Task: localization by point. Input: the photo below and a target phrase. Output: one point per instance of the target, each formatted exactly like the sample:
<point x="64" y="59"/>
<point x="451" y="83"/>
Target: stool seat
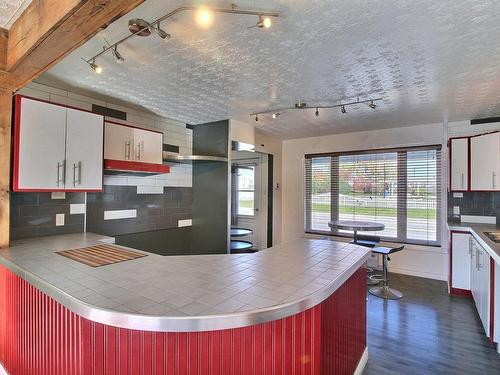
<point x="387" y="250"/>
<point x="366" y="240"/>
<point x="365" y="243"/>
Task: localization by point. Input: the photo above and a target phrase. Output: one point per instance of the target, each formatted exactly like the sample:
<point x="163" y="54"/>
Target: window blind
<point x="399" y="188"/>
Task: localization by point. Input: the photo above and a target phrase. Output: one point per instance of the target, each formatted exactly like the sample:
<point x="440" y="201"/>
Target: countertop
<point x="477" y="230"/>
<point x="186" y="293"/>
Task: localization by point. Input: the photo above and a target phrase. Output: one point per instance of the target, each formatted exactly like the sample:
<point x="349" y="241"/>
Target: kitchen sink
<point x="494" y="236"/>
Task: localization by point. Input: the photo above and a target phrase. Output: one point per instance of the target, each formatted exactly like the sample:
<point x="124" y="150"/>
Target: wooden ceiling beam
<point x="48" y="30"/>
<point x="3" y="49"/>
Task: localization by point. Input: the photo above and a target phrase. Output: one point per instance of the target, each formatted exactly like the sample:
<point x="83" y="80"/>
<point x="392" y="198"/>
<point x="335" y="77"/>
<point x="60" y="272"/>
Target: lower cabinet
<point x="480" y="282"/>
<point x="470" y="273"/>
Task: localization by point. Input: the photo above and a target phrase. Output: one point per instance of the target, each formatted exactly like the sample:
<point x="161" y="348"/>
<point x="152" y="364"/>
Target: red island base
<point x="41" y="337"/>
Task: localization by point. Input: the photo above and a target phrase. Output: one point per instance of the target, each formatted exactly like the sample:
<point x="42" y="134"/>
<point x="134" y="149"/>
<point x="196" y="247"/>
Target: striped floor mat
<point x="100" y="255"/>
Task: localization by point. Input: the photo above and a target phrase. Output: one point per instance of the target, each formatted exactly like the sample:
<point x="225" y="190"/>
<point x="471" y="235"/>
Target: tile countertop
<point x="477" y="230"/>
<point x="186" y="293"/>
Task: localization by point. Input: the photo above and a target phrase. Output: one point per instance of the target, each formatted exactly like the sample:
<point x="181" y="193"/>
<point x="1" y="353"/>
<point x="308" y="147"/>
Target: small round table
<point x="356" y="225"/>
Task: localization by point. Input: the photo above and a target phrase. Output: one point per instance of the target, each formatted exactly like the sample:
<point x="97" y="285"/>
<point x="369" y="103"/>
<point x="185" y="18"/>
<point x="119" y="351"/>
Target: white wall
<point x="423" y="261"/>
<point x="175" y="133"/>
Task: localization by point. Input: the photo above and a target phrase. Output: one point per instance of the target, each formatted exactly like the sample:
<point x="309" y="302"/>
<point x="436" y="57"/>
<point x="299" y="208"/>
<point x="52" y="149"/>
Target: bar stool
<point x="385" y="291"/>
<point x="368" y="241"/>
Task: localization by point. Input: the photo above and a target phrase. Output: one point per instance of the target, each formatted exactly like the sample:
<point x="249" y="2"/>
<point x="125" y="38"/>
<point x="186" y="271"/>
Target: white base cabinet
<point x="480" y="283"/>
<point x="461" y="260"/>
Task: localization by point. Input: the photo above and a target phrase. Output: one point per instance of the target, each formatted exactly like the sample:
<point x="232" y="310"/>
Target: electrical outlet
<point x="456" y="210"/>
<point x="59" y="220"/>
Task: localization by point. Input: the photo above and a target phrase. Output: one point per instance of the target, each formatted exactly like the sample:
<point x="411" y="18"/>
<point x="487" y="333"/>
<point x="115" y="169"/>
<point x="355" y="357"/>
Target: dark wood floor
<point x="426" y="332"/>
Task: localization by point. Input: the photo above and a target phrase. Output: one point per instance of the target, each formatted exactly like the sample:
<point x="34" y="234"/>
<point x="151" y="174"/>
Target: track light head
<point x="96" y="68"/>
<point x="264" y="22"/>
<point x="256" y="117"/>
<point x="119" y="58"/>
<point x="276" y="115"/>
<point x="317" y="112"/>
<point x="204" y="17"/>
<point x="343" y="110"/>
<point x="162" y="33"/>
<point x="372" y="105"/>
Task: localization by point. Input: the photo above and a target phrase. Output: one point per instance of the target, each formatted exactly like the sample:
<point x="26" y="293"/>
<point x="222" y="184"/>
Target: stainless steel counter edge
<point x="478" y="237"/>
<point x="184" y="323"/>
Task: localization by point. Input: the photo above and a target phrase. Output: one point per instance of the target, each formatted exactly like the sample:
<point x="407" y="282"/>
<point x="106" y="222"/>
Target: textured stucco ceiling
<point x="429" y="60"/>
<point x="10" y="10"/>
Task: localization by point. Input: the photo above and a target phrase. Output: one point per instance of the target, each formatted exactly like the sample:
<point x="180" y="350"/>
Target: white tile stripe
<point x="119" y="214"/>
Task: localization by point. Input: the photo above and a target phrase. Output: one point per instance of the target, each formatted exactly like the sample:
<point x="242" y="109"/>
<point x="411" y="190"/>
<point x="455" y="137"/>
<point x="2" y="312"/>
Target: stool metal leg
<point x="385" y="291"/>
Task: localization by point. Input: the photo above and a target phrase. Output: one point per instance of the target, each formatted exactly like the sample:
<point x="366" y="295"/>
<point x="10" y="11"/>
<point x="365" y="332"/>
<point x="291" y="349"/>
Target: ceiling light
<point x="276" y="114"/>
<point x="117" y="55"/>
<point x="138" y="26"/>
<point x="342" y="109"/>
<point x="256" y="117"/>
<point x="317" y="112"/>
<point x="372" y="105"/>
<point x="204" y="17"/>
<point x="162" y="33"/>
<point x="95" y="67"/>
<point x="264" y="22"/>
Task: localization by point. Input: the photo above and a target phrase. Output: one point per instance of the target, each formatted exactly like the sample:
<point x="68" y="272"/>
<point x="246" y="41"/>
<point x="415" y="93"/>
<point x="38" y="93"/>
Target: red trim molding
<point x="40" y="336"/>
<point x="134" y="166"/>
<point x="492" y="298"/>
<point x="460" y="292"/>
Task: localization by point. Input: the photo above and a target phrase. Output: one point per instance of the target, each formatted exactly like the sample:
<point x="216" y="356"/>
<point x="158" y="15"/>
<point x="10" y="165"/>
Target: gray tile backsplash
<point x="34" y="214"/>
<point x="154" y="211"/>
<point x="475" y="203"/>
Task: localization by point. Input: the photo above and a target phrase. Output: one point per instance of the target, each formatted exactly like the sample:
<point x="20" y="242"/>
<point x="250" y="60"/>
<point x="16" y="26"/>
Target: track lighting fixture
<point x="119" y="58"/>
<point x="162" y="33"/>
<point x="256" y="117"/>
<point x="302" y="105"/>
<point x="264" y="22"/>
<point x="96" y="68"/>
<point x="204" y="17"/>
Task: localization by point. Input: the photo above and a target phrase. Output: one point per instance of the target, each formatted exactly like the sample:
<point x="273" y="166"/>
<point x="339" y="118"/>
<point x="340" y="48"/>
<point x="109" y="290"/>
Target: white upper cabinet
<point x="126" y="143"/>
<point x="118" y="142"/>
<point x="485" y="162"/>
<point x="148" y="146"/>
<point x="49" y="140"/>
<point x="40" y="141"/>
<point x="459" y="174"/>
<point x="84" y="149"/>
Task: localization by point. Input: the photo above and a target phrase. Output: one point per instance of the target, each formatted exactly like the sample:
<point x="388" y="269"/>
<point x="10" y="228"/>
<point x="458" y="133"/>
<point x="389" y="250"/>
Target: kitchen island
<point x="296" y="307"/>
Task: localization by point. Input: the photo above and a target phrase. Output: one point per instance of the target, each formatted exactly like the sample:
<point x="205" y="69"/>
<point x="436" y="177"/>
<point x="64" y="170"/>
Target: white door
<point x="148" y="146"/>
<point x="118" y="142"/>
<point x="84" y="150"/>
<point x="460" y="261"/>
<point x="459" y="164"/>
<point x="41" y="146"/>
<point x="485" y="162"/>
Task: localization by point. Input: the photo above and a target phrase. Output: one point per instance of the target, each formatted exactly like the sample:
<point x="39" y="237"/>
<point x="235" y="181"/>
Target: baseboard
<point x="426" y="275"/>
<point x="362" y="363"/>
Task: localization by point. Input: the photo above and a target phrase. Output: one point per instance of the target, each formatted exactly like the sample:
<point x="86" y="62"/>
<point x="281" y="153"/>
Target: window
<point x="399" y="188"/>
<point x="245" y="192"/>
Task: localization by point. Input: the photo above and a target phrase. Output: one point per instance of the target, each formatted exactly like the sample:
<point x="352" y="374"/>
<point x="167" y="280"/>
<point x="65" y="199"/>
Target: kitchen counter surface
<point x="186" y="293"/>
<point x="477" y="230"/>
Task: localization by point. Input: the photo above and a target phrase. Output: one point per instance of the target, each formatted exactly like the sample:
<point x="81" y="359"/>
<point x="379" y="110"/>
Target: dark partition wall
<point x="209" y="233"/>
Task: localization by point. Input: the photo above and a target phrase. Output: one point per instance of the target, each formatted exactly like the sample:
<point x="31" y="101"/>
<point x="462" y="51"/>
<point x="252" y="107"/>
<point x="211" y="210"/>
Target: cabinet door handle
<point x="138" y="150"/>
<point x="479" y="265"/>
<point x="77" y="178"/>
<point x="58" y="179"/>
<point x="127" y="150"/>
<point x="462" y="180"/>
<point x="493" y="176"/>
